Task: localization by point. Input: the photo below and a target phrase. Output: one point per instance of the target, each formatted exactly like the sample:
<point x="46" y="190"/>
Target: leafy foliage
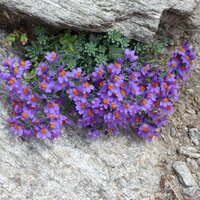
<point x="16" y="36"/>
<point x="85" y="50"/>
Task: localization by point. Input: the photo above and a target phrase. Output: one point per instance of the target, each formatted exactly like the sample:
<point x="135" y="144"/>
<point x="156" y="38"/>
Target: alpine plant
<point x="113" y="96"/>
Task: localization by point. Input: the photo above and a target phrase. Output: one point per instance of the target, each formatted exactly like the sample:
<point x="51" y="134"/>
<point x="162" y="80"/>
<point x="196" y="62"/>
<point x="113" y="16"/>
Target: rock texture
<point x="195" y="136"/>
<point x="185" y="177"/>
<point x="139" y="18"/>
<point x="75" y="168"/>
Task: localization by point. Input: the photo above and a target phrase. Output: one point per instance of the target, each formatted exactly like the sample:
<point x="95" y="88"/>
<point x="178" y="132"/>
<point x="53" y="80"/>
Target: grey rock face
<point x="191" y="152"/>
<point x="185" y="177"/>
<point x="139" y="18"/>
<point x="75" y="168"/>
<point x="195" y="136"/>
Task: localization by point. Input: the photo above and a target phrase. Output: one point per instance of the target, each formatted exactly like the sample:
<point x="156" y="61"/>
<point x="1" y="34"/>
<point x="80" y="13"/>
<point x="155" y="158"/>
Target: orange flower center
<point x="117" y="65"/>
<point x="192" y="62"/>
<point x="105" y="101"/>
<point x="22" y="63"/>
<point x="156" y="103"/>
<point x="83" y="105"/>
<point x="145" y="68"/>
<point x="142" y="88"/>
<point x="51" y="104"/>
<point x="44" y="77"/>
<point x="90" y="112"/>
<point x="183" y="50"/>
<point x="166" y="86"/>
<point x="116" y="78"/>
<point x="100" y="72"/>
<point x="86" y="84"/>
<point x="151" y="136"/>
<point x="62" y="73"/>
<point x="114" y="105"/>
<point x="21" y="104"/>
<point x="183" y="68"/>
<point x="43" y="85"/>
<point x="75" y="91"/>
<point x="170" y="75"/>
<point x="52" y="125"/>
<point x="137" y="119"/>
<point x="43" y="68"/>
<point x="101" y="83"/>
<point x="16" y="69"/>
<point x="165" y="100"/>
<point x="133" y="77"/>
<point x="154" y="84"/>
<point x="173" y="64"/>
<point x="43" y="130"/>
<point x="169" y="107"/>
<point x="110" y="86"/>
<point x="78" y="74"/>
<point x="11" y="80"/>
<point x="25" y="90"/>
<point x="34" y="98"/>
<point x="24" y="115"/>
<point x="116" y="114"/>
<point x="126" y="105"/>
<point x="144" y="101"/>
<point x="145" y="129"/>
<point x="17" y="126"/>
<point x="53" y="57"/>
<point x="122" y="92"/>
<point x="51" y="116"/>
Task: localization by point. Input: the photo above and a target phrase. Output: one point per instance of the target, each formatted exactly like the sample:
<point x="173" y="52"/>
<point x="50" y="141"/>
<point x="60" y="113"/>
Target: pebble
<point x="185" y="177"/>
<point x="195" y="136"/>
<point x="190" y="152"/>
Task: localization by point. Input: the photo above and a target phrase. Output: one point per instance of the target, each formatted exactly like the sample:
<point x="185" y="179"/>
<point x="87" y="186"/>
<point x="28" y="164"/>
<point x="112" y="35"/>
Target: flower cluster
<point x="119" y="94"/>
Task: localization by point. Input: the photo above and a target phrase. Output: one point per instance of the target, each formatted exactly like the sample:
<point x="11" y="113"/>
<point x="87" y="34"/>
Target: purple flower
<point x="134" y="77"/>
<point x="62" y="75"/>
<point x="51" y="57"/>
<point x="146" y="104"/>
<point x="114" y="68"/>
<point x="33" y="100"/>
<point x="27" y="114"/>
<point x="43" y="132"/>
<point x="93" y="134"/>
<point x="98" y="73"/>
<point x="130" y="55"/>
<point x="25" y="64"/>
<point x="76" y="73"/>
<point x="153" y="87"/>
<point x="169" y="109"/>
<point x="46" y="86"/>
<point x="51" y="107"/>
<point x="147" y="132"/>
<point x="165" y="102"/>
<point x="24" y="91"/>
<point x="81" y="107"/>
<point x="145" y="68"/>
<point x="15" y="126"/>
<point x="42" y="68"/>
<point x="86" y="87"/>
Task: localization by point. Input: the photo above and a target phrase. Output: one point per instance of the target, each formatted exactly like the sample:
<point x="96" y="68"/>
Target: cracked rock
<point x="139" y="18"/>
<point x="190" y="152"/>
<point x="185" y="178"/>
<point x="194" y="136"/>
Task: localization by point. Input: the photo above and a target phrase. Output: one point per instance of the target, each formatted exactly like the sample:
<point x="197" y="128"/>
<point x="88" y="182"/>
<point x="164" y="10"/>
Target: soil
<point x="175" y="135"/>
